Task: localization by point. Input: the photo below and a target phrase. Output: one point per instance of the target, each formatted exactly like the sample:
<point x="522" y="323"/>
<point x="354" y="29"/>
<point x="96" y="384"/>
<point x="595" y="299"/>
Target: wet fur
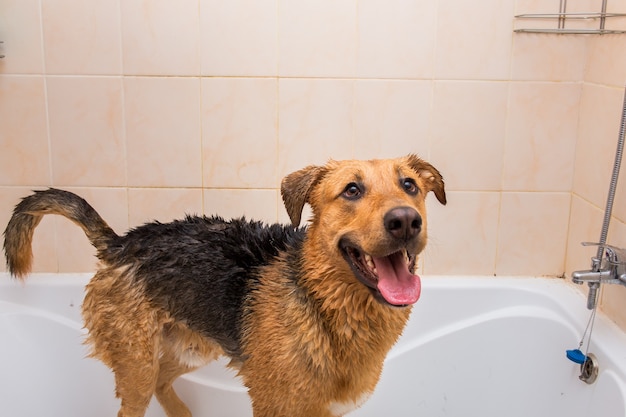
<point x="307" y="338"/>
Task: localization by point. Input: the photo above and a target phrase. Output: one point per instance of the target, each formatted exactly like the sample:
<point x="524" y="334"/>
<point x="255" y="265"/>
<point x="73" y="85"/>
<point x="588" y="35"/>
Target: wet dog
<point x="305" y="314"/>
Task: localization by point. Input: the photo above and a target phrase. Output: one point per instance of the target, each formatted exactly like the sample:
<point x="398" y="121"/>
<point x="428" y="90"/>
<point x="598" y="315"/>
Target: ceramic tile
<point x="20" y="21"/>
<point x="617" y="233"/>
<point x="532" y="234"/>
<point x="462" y="235"/>
<point x="534" y="7"/>
<point x="162" y="204"/>
<point x="396" y="38"/>
<point x="315" y="123"/>
<point x="585" y="223"/>
<point x="82" y="36"/>
<point x="75" y="253"/>
<point x="253" y="204"/>
<point x="604" y="66"/>
<point x="239" y="37"/>
<point x="317" y="38"/>
<point x="239" y="132"/>
<point x="163" y="132"/>
<point x="474" y="41"/>
<point x="86" y="131"/>
<point x="617" y="23"/>
<point x="541" y="136"/>
<point x="160" y="37"/>
<point x="44" y="243"/>
<point x="468" y="130"/>
<point x="25" y="158"/>
<point x="600" y="112"/>
<point x="548" y="57"/>
<point x="619" y="203"/>
<point x="392" y="118"/>
<point x="613" y="297"/>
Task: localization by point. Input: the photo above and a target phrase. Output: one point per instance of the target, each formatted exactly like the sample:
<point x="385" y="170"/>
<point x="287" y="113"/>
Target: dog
<point x="305" y="314"/>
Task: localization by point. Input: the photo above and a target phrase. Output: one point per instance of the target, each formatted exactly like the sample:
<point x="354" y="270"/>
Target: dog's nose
<point x="403" y="222"/>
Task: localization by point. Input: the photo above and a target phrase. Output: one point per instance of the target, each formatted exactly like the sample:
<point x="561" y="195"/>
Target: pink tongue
<point x="396" y="284"/>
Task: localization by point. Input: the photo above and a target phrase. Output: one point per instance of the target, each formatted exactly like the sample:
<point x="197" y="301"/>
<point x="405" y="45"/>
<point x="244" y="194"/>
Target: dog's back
<point x="198" y="269"/>
<point x="201" y="270"/>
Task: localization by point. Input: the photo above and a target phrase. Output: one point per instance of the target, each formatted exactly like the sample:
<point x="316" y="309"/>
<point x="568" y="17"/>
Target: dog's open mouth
<point x="388" y="277"/>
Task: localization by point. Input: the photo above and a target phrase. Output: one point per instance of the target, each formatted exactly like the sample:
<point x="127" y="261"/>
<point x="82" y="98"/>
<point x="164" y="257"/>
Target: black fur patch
<point x="201" y="269"/>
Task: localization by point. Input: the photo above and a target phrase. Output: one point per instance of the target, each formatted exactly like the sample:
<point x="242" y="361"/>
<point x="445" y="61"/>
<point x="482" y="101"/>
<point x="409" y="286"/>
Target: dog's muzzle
<point x="389" y="278"/>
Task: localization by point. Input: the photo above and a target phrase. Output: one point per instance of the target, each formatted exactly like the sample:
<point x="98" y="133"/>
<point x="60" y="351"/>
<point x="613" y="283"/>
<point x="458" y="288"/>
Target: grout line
<point x="55" y="234"/>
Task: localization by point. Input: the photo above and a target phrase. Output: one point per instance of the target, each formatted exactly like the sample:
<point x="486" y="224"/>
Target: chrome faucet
<point x="610" y="269"/>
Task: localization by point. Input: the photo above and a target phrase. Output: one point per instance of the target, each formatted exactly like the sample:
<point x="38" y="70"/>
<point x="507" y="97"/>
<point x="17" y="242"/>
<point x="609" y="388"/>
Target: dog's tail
<point x="18" y="235"/>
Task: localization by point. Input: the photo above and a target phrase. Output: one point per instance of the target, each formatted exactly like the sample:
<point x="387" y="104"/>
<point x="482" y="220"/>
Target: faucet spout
<point x="590" y="276"/>
<point x="593" y="280"/>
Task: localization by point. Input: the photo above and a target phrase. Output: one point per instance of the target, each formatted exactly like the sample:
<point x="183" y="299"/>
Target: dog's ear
<point x="430" y="174"/>
<point x="296" y="189"/>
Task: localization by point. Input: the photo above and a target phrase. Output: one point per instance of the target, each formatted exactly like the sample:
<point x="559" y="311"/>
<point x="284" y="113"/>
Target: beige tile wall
<point x="153" y="109"/>
<point x="601" y="104"/>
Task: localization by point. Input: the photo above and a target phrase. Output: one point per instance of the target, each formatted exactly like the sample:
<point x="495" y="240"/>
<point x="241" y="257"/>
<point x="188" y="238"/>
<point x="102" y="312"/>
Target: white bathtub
<point x="488" y="347"/>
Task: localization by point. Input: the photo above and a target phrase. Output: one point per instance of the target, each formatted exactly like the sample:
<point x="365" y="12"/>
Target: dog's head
<point x="372" y="214"/>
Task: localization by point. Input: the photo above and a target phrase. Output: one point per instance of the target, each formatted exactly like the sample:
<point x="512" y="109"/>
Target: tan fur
<point x="365" y="329"/>
<point x="319" y="358"/>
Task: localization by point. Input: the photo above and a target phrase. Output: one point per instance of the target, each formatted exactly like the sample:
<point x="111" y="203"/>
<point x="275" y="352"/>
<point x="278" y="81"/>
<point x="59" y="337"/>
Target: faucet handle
<point x="614" y="255"/>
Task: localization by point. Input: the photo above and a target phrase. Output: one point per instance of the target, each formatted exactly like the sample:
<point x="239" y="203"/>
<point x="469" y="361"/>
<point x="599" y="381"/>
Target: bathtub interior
<point x="473" y="346"/>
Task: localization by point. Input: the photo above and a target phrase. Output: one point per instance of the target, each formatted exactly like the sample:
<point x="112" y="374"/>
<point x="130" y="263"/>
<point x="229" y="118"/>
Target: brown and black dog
<point x="306" y="315"/>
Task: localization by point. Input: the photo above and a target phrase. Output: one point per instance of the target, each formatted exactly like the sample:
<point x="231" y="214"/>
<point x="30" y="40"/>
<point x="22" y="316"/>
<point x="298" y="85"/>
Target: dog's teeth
<point x="369" y="262"/>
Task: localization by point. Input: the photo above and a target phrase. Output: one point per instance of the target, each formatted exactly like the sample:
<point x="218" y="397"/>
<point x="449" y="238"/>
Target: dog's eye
<point x="409" y="186"/>
<point x="352" y="191"/>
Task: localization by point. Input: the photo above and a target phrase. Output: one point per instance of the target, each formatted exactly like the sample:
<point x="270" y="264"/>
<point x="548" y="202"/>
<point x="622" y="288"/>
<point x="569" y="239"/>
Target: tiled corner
<point x="613" y="297"/>
<point x="162" y="118"/>
<point x="604" y="66"/>
<point x="619" y="204"/>
<point x="25" y="154"/>
<point x="82" y="37"/>
<point x="548" y="57"/>
<point x="584" y="226"/>
<point x="86" y="131"/>
<point x="392" y="118"/>
<point x="239" y="132"/>
<point x="600" y="111"/>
